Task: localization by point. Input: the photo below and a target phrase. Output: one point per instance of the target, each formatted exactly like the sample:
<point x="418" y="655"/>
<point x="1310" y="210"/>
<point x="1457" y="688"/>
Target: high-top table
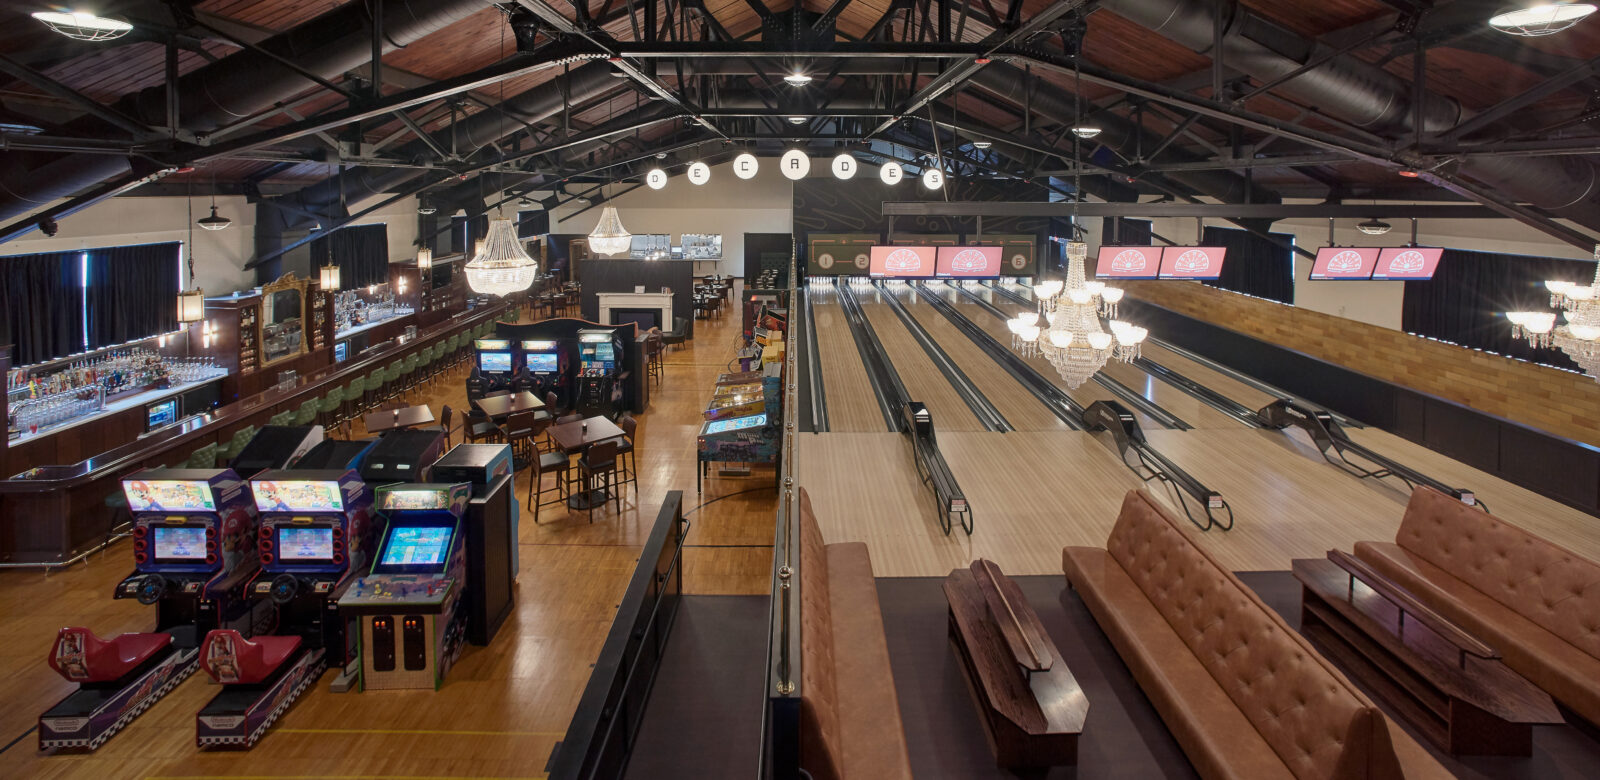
<point x="501" y="406"/>
<point x="575" y="438"/>
<point x="395" y="419"/>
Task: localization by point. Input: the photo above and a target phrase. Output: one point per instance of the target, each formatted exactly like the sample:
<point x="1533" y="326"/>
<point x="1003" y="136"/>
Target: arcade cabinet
<point x="546" y="367"/>
<point x="408" y="607"/>
<point x="402" y="456"/>
<point x="598" y="391"/>
<point x="193" y="550"/>
<point x="494" y="368"/>
<point x="317" y="532"/>
<point x="275" y="447"/>
<point x="491" y="532"/>
<point x="338" y="454"/>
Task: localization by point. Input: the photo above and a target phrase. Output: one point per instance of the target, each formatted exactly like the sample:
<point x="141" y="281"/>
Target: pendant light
<point x="500" y="266"/>
<point x="424" y="259"/>
<point x="609" y="237"/>
<point x="191" y="303"/>
<point x="214" y="222"/>
<point x="328" y="277"/>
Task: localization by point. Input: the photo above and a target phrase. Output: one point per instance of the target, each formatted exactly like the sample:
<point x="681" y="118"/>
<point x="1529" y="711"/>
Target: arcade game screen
<point x="297" y="496"/>
<point x="180" y="543"/>
<point x="416" y="499"/>
<point x="544" y="362"/>
<point x="168" y="495"/>
<point x="417" y="546"/>
<point x="736" y="424"/>
<point x="305" y="544"/>
<point x="494" y="362"/>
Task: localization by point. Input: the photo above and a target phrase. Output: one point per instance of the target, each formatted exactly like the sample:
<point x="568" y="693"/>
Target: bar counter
<point x="49" y="513"/>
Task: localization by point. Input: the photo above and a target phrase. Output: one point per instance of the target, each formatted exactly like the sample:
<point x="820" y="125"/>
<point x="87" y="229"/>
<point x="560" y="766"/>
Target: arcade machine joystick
<point x="193" y="532"/>
<point x="408" y="608"/>
<point x="317" y="533"/>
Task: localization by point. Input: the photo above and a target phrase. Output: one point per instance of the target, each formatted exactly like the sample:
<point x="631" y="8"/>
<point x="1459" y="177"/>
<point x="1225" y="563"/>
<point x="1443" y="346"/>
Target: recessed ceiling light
<point x="982" y="144"/>
<point x="425" y="209"/>
<point x="83" y="26"/>
<point x="797" y="120"/>
<point x="797" y="79"/>
<point x="1085" y="131"/>
<point x="1542" y="19"/>
<point x="1409" y="173"/>
<point x="661" y="155"/>
<point x="1373" y="227"/>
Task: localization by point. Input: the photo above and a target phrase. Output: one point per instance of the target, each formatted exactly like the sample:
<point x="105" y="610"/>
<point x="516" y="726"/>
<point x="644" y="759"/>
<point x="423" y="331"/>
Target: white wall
<point x="727" y="205"/>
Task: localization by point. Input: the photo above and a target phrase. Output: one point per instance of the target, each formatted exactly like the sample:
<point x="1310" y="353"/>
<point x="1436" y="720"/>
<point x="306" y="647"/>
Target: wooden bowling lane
<point x="917" y="371"/>
<point x="851" y="405"/>
<point x="1211" y="378"/>
<point x="1020" y="407"/>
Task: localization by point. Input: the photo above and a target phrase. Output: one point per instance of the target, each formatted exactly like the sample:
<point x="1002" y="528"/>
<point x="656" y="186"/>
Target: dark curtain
<point x="1254" y="265"/>
<point x="479" y="229"/>
<point x="362" y="252"/>
<point x="1121" y="231"/>
<point x="132" y="292"/>
<point x="1466" y="301"/>
<point x="458" y="235"/>
<point x="533" y="223"/>
<point x="43" y="299"/>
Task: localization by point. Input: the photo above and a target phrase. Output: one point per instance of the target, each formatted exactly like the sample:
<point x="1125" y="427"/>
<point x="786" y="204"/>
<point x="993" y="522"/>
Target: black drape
<point x="43" y="297"/>
<point x="1130" y="232"/>
<point x="1466" y="301"/>
<point x="362" y="252"/>
<point x="458" y="235"/>
<point x="132" y="292"/>
<point x="1254" y="265"/>
<point x="532" y="223"/>
<point x="479" y="230"/>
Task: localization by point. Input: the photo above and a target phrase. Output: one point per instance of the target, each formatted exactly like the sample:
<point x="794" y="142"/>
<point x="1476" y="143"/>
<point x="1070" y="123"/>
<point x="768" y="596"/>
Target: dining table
<point x="574" y="438"/>
<point x="394" y="419"/>
<point x="499" y="407"/>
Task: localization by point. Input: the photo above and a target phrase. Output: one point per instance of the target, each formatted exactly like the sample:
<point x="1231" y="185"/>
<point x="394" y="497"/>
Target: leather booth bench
<point x="1244" y="695"/>
<point x="849" y="713"/>
<point x="1536" y="603"/>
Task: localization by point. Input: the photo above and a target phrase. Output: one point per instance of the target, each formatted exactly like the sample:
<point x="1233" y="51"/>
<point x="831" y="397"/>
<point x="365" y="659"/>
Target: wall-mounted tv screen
<point x="1128" y="262"/>
<point x="701" y="246"/>
<point x="179" y="543"/>
<point x="902" y="262"/>
<point x="1192" y="262"/>
<point x="494" y="362"/>
<point x="305" y="544"/>
<point x="544" y="362"/>
<point x="1407" y="262"/>
<point x="969" y="261"/>
<point x="650" y="246"/>
<point x="1344" y="263"/>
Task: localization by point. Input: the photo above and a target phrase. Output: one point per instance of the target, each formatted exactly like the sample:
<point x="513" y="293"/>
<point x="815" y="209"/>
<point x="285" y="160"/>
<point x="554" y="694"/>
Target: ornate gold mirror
<point x="283" y="306"/>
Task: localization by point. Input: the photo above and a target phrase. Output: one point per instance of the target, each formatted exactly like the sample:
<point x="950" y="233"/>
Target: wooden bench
<point x="1033" y="709"/>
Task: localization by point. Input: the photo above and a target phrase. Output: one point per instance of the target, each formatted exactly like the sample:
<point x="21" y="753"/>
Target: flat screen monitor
<point x="1407" y="262"/>
<point x="544" y="362"/>
<point x="341" y="350"/>
<point x="297" y="496"/>
<point x="649" y="246"/>
<point x="494" y="362"/>
<point x="700" y="246"/>
<point x="160" y="413"/>
<point x="1128" y="262"/>
<point x="736" y="424"/>
<point x="1192" y="262"/>
<point x="305" y="545"/>
<point x="1344" y="263"/>
<point x="179" y="543"/>
<point x="962" y="262"/>
<point x="416" y="547"/>
<point x="604" y="353"/>
<point x="902" y="262"/>
<point x="168" y="495"/>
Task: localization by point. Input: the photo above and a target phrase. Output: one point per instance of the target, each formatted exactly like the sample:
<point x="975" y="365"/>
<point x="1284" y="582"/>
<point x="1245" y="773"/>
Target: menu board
<point x="297" y="496"/>
<point x="1344" y="263"/>
<point x="902" y="262"/>
<point x="969" y="261"/>
<point x="736" y="424"/>
<point x="416" y="499"/>
<point x="1128" y="262"/>
<point x="1192" y="262"/>
<point x="305" y="544"/>
<point x="1407" y="262"/>
<point x="168" y="495"/>
<point x="179" y="543"/>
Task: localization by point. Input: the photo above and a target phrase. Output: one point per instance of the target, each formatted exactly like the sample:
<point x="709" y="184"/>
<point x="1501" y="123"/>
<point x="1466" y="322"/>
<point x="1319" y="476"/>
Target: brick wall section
<point x="1561" y="402"/>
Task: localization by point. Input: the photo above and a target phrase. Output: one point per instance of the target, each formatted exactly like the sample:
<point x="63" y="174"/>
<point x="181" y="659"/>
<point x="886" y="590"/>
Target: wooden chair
<point x="625" y="452"/>
<point x="520" y="431"/>
<point x="556" y="463"/>
<point x="478" y="428"/>
<point x="655" y="367"/>
<point x="552" y="404"/>
<point x="445" y="415"/>
<point x="600" y="461"/>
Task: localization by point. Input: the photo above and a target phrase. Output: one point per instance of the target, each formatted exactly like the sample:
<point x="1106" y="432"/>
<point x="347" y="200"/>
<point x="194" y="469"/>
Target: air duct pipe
<point x="236" y="86"/>
<point x="1362" y="94"/>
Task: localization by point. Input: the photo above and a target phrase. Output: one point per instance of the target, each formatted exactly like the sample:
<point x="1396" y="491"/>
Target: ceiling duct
<point x="1362" y="94"/>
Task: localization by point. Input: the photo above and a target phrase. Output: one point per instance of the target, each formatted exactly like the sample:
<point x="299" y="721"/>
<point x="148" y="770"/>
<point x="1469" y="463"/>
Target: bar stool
<point x="284" y="418"/>
<point x="328" y="408"/>
<point x="203" y="457"/>
<point x="479" y="428"/>
<point x="445" y="415"/>
<point x="655" y="367"/>
<point x="556" y="463"/>
<point x="240" y="438"/>
<point x="600" y="460"/>
<point x="520" y="430"/>
<point x="625" y="451"/>
<point x="353" y="396"/>
<point x="306" y="414"/>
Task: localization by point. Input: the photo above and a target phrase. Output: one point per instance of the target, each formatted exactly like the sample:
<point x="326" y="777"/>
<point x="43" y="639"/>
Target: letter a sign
<point x="796" y="165"/>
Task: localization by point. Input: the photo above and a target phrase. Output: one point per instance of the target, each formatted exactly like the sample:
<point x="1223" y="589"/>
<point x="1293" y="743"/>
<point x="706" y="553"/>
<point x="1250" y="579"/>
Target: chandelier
<point x="500" y="266"/>
<point x="610" y="237"/>
<point x="1071" y="338"/>
<point x="1580" y="337"/>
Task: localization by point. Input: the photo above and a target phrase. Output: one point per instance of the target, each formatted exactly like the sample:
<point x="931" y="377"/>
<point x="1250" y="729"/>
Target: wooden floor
<point x="851" y="407"/>
<point x="503" y="707"/>
<point x="917" y="371"/>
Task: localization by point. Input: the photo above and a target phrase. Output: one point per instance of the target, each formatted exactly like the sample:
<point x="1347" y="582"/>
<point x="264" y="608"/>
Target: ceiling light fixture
<point x="1580" y="337"/>
<point x="83" y="26"/>
<point x="699" y="173"/>
<point x="1374" y="227"/>
<point x="1539" y="20"/>
<point x="797" y="120"/>
<point x="500" y="266"/>
<point x="424" y="208"/>
<point x="891" y="173"/>
<point x="656" y="178"/>
<point x="797" y="79"/>
<point x="982" y="144"/>
<point x="932" y="178"/>
<point x="1085" y="131"/>
<point x="214" y="222"/>
<point x="1409" y="173"/>
<point x="844" y="166"/>
<point x="746" y="165"/>
<point x="609" y="237"/>
<point x="795" y="165"/>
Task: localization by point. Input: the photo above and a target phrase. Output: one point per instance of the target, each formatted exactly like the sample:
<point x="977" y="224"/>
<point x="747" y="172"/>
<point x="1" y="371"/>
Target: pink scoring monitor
<point x="1407" y="262"/>
<point x="1128" y="262"/>
<point x="1344" y="263"/>
<point x="902" y="262"/>
<point x="1192" y="262"/>
<point x="969" y="261"/>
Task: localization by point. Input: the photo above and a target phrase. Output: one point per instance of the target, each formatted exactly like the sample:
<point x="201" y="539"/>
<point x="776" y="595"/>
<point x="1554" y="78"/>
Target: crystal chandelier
<point x="1580" y="337"/>
<point x="1071" y="338"/>
<point x="610" y="237"/>
<point x="501" y="267"/>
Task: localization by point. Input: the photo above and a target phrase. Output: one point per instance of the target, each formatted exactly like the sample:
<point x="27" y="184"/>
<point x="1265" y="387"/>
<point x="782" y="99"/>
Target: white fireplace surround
<point x="661" y="302"/>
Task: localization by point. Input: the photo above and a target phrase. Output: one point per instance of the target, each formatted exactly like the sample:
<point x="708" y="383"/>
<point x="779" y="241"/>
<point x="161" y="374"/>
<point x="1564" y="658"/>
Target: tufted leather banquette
<point x="849" y="713"/>
<point x="1243" y="694"/>
<point x="1535" y="602"/>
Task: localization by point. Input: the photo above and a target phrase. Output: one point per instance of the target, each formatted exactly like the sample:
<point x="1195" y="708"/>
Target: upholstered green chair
<point x="203" y="457"/>
<point x="306" y="414"/>
<point x="354" y="395"/>
<point x="328" y="408"/>
<point x="236" y="444"/>
<point x="285" y="417"/>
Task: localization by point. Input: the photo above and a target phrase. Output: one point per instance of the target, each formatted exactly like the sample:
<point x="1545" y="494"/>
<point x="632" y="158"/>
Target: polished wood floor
<point x="503" y="707"/>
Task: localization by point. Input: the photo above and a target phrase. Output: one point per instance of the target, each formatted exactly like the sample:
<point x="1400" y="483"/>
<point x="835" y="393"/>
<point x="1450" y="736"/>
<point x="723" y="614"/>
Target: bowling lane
<point x="917" y="371"/>
<point x="851" y="405"/>
<point x="1211" y="378"/>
